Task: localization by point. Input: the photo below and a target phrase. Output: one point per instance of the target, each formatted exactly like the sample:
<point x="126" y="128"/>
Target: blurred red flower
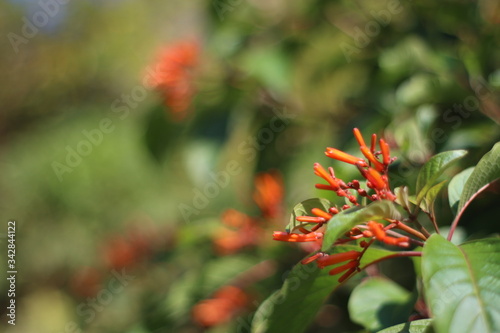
<point x="172" y="76"/>
<point x="241" y="231"/>
<point x="269" y="194"/>
<point x="219" y="309"/>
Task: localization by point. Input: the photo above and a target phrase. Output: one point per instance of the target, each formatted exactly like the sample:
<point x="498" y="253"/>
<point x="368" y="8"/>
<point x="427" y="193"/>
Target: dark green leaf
<point x="344" y="221"/>
<point x="378" y="303"/>
<point x="292" y="308"/>
<point x="456" y="188"/>
<point x="431" y="170"/>
<point x="485" y="172"/>
<point x="462" y="284"/>
<point x="417" y="326"/>
<point x="304" y="209"/>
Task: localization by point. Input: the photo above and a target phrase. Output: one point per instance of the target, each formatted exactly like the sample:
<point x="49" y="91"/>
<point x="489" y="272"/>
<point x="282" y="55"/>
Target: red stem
<point x="459" y="215"/>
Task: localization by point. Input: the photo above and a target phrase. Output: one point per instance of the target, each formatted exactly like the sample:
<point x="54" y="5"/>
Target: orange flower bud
<point x="385" y="152"/>
<point x="359" y="137"/>
<point x="347" y="274"/>
<point x="343" y="157"/>
<point x="333" y="259"/>
<point x="320" y="171"/>
<point x="311" y="219"/>
<point x="312" y="258"/>
<point x="324" y="187"/>
<point x="374" y="178"/>
<point x="320" y="213"/>
<point x="373" y="143"/>
<point x="368" y="154"/>
<point x="377" y="229"/>
<point x="350" y="265"/>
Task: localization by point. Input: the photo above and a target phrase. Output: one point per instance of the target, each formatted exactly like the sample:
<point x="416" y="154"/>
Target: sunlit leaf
<point x="462" y="284"/>
<point x="431" y="170"/>
<point x="427" y="204"/>
<point x="378" y="303"/>
<point x="485" y="172"/>
<point x="456" y="188"/>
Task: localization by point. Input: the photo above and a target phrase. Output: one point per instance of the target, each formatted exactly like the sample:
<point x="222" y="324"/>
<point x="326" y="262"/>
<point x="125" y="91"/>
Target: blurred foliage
<point x="276" y="82"/>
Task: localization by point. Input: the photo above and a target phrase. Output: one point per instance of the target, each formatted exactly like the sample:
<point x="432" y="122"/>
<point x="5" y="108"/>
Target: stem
<point x="413" y="219"/>
<point x="396" y="255"/>
<point x="459" y="215"/>
<point x="433" y="220"/>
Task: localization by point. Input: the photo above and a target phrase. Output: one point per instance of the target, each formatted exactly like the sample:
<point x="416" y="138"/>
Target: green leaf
<point x="402" y="197"/>
<point x="462" y="284"/>
<point x="304" y="209"/>
<point x="344" y="221"/>
<point x="427" y="204"/>
<point x="292" y="308"/>
<point x="456" y="188"/>
<point x="378" y="303"/>
<point x="417" y="326"/>
<point x="485" y="172"/>
<point x="431" y="170"/>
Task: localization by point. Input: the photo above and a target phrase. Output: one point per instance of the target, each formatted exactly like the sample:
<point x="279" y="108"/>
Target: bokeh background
<point x="148" y="149"/>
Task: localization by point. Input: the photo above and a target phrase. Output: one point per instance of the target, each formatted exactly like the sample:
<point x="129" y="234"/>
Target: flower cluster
<point x="172" y="76"/>
<point x="374" y="169"/>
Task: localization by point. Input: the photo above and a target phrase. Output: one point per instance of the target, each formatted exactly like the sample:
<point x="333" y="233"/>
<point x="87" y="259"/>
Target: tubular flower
<point x="333" y="259"/>
<point x="379" y="233"/>
<point x="322" y="260"/>
<point x="343" y="157"/>
<point x="374" y="169"/>
<point x="286" y="237"/>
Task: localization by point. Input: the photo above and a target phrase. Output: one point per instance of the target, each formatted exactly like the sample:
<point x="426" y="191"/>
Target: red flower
<point x="243" y="232"/>
<point x="172" y="77"/>
<point x="380" y="234"/>
<point x="221" y="307"/>
<point x="269" y="194"/>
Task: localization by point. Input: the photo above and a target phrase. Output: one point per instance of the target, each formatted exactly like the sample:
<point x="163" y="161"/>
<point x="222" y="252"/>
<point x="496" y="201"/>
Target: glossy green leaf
<point x="292" y="308"/>
<point x="427" y="204"/>
<point x="431" y="170"/>
<point x="462" y="284"/>
<point x="417" y="326"/>
<point x="344" y="221"/>
<point x="377" y="303"/>
<point x="485" y="172"/>
<point x="304" y="209"/>
<point x="456" y="188"/>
